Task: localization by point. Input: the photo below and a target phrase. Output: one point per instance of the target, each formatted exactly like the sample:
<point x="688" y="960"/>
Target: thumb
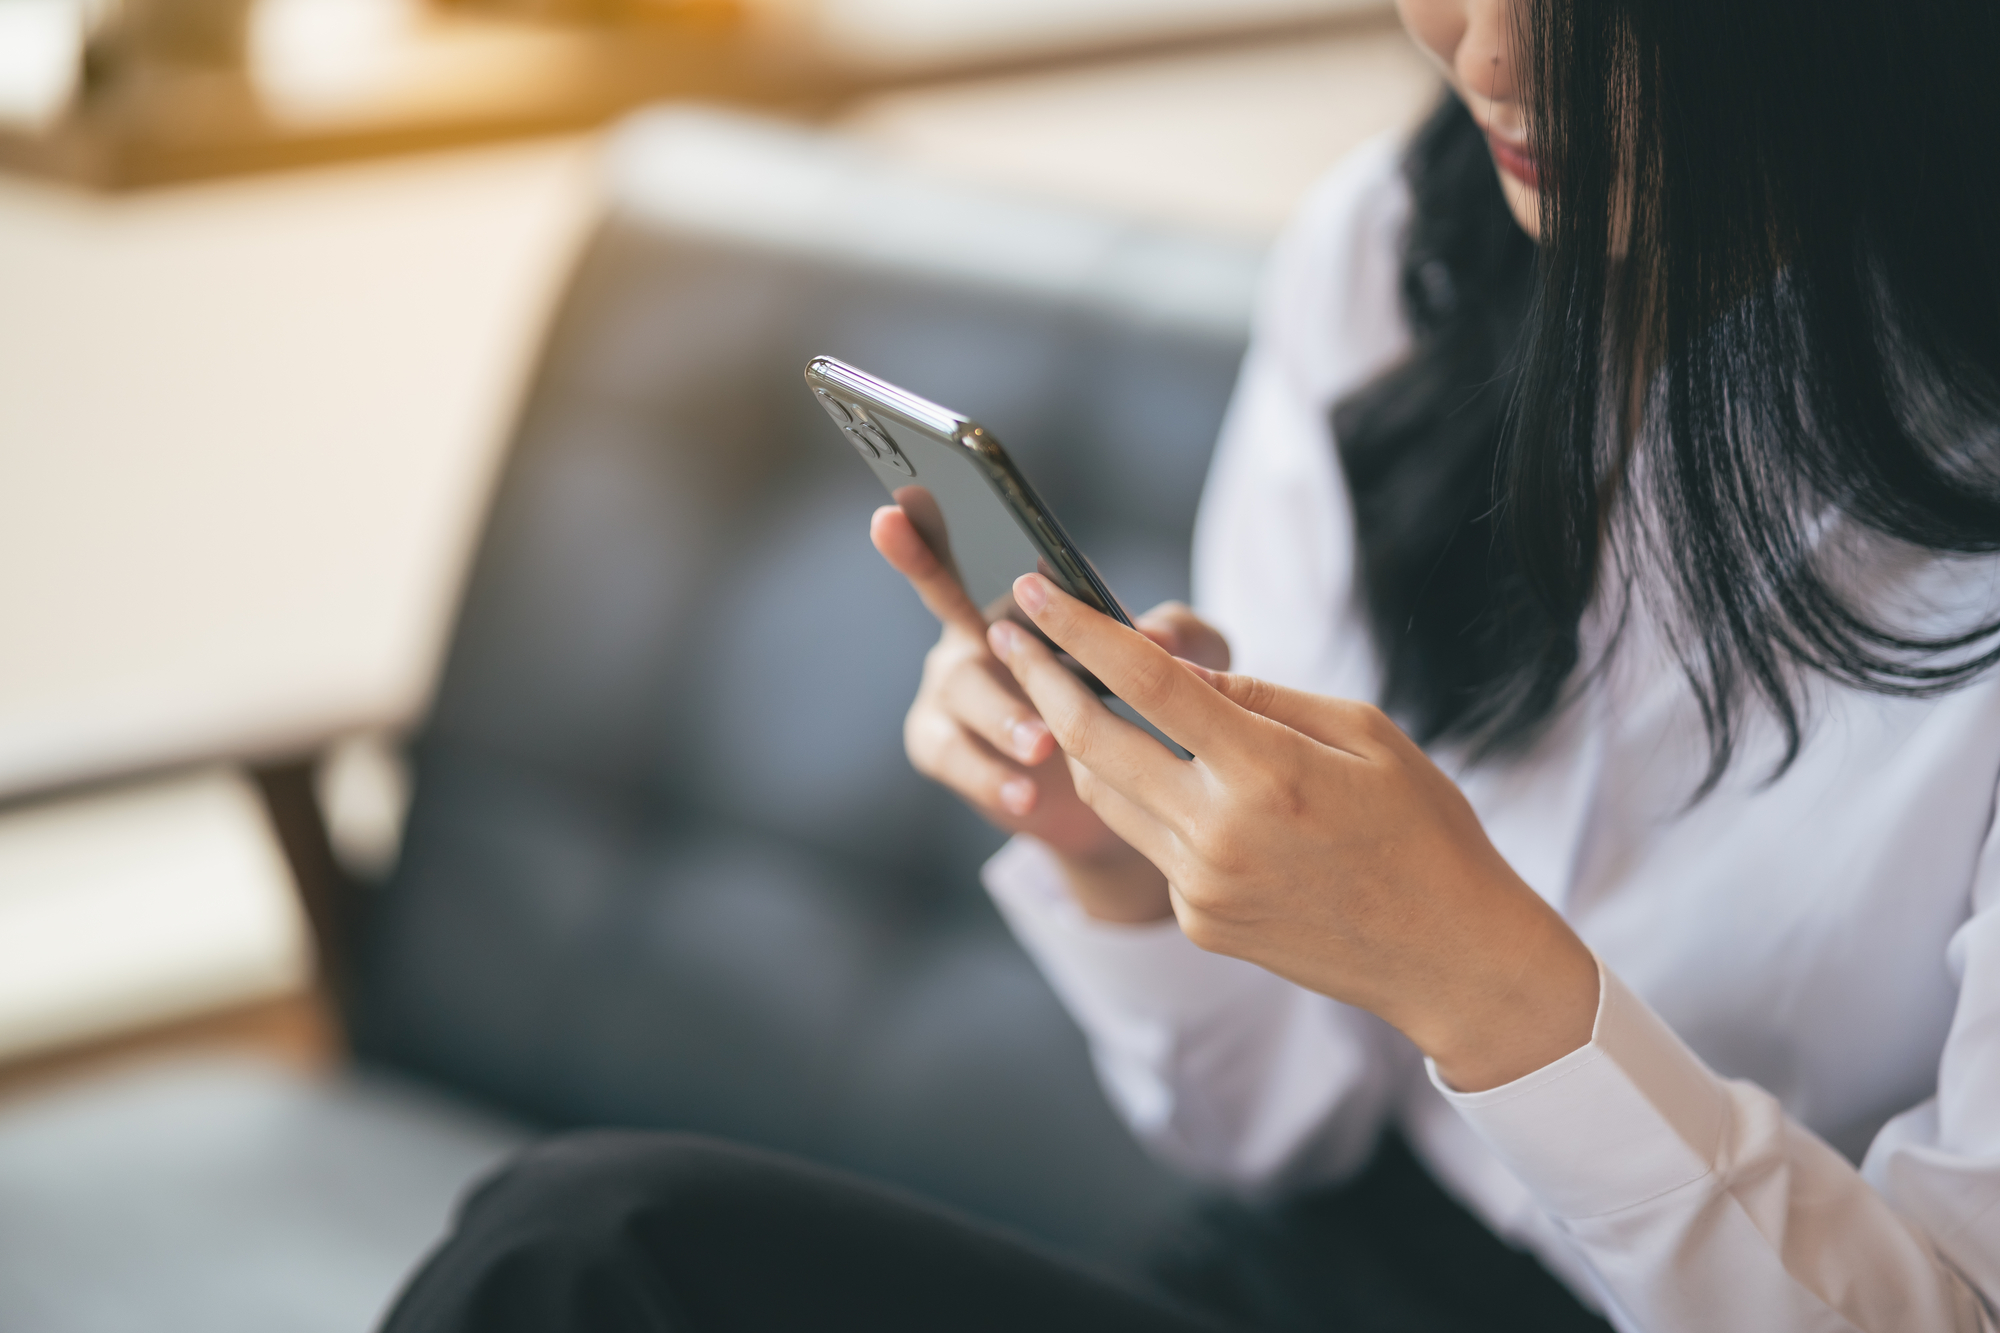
<point x="1181" y="632"/>
<point x="1357" y="728"/>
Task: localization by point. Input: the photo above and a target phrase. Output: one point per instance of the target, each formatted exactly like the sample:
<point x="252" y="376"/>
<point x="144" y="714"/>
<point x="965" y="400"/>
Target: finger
<point x="1138" y="766"/>
<point x="1145" y="834"/>
<point x="967" y="765"/>
<point x="1343" y="724"/>
<point x="1139" y="671"/>
<point x="1186" y="635"/>
<point x="974" y="694"/>
<point x="911" y="556"/>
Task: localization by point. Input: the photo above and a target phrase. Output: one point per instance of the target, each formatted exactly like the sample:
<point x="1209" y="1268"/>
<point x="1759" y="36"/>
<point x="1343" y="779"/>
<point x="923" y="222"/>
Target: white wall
<point x="915" y="32"/>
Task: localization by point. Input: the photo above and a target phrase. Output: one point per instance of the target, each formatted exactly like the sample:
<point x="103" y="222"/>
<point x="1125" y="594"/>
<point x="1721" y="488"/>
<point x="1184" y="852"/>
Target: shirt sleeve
<point x="1701" y="1205"/>
<point x="1228" y="1072"/>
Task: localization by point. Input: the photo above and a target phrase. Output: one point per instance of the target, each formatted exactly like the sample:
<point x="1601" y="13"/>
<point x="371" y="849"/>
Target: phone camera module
<point x="877" y="443"/>
<point x="841" y="413"/>
<point x="862" y="438"/>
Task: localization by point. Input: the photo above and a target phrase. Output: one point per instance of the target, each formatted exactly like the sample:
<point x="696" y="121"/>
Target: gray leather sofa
<point x="666" y="864"/>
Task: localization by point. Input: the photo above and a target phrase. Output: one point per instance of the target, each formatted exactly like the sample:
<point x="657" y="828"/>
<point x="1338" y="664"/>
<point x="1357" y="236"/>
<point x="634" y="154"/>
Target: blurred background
<point x="445" y="692"/>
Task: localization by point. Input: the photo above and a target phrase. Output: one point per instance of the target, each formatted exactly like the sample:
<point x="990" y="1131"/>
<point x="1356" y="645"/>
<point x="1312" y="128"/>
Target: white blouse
<point x="1788" y="1115"/>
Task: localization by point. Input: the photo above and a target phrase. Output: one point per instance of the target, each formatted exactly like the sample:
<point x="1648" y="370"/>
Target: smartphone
<point x="966" y="498"/>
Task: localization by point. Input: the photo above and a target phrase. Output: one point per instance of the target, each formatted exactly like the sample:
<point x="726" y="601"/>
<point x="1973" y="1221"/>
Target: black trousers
<point x="651" y="1233"/>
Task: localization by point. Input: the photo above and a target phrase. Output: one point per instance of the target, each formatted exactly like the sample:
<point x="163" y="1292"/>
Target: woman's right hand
<point x="972" y="729"/>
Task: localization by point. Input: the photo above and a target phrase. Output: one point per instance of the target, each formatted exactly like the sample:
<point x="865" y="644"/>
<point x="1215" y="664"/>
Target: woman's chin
<point x="1524" y="201"/>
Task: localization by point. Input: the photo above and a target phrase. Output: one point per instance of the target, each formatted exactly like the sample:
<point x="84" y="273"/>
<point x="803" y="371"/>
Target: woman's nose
<point x="1484" y="60"/>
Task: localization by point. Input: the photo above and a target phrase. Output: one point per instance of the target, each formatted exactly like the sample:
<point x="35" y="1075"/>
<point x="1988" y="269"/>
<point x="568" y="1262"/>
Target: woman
<point x="1634" y="438"/>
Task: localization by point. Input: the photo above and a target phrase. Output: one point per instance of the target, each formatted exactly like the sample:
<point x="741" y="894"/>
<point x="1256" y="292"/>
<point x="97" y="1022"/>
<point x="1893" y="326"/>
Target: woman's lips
<point x="1515" y="161"/>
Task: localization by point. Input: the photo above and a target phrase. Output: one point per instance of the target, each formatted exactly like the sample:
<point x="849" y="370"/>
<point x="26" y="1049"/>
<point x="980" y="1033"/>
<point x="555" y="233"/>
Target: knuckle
<point x="967" y="776"/>
<point x="1382" y="737"/>
<point x="1392" y="736"/>
<point x="1208" y="643"/>
<point x="1074" y="727"/>
<point x="1087" y="784"/>
<point x="944" y="658"/>
<point x="1190" y="627"/>
<point x="927" y="737"/>
<point x="1254" y="693"/>
<point x="1201" y="929"/>
<point x="1277" y="789"/>
<point x="957" y="681"/>
<point x="978" y="699"/>
<point x="1372" y="722"/>
<point x="1152" y="681"/>
<point x="1217" y="843"/>
<point x="1054" y="617"/>
<point x="1369" y="718"/>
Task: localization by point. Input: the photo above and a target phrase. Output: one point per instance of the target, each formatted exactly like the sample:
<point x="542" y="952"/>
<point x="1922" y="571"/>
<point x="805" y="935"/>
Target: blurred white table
<point x="246" y="431"/>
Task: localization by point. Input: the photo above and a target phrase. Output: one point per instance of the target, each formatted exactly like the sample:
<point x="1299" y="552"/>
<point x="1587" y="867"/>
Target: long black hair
<point x="1759" y="338"/>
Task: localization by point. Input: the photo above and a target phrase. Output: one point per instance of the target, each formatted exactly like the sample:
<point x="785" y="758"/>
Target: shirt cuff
<point x="1630" y="1116"/>
<point x="1147" y="971"/>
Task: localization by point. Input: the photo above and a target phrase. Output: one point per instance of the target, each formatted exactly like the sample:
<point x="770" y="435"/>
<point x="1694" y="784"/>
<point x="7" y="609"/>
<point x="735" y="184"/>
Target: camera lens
<point x="862" y="437"/>
<point x="885" y="448"/>
<point x="835" y="408"/>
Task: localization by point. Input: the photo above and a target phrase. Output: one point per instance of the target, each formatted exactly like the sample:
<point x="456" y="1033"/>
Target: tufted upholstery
<point x="666" y="864"/>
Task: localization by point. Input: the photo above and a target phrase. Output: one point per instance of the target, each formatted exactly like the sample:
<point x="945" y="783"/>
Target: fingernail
<point x="1030" y="593"/>
<point x="1018" y="795"/>
<point x="1003" y="638"/>
<point x="1027" y="735"/>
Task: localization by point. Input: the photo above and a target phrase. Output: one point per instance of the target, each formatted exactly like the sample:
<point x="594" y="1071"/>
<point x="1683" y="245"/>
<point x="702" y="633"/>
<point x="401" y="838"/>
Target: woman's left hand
<point x="1310" y="836"/>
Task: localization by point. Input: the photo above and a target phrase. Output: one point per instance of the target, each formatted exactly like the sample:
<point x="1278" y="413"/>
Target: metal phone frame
<point x="1041" y="527"/>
